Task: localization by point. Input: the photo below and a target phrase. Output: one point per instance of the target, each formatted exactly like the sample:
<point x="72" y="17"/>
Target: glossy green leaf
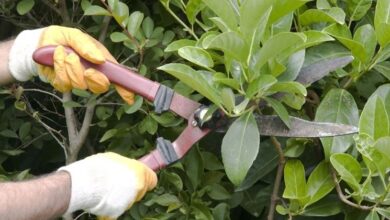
<point x="240" y="147"/>
<point x="383" y="212"/>
<point x="332" y="15"/>
<point x="382" y="21"/>
<point x="148" y="27"/>
<point x="193" y="7"/>
<point x="294" y="147"/>
<point x="228" y="99"/>
<point x="193" y="79"/>
<point x="108" y="134"/>
<point x="328" y="206"/>
<point x="294" y="65"/>
<point x="221" y="78"/>
<point x="383" y="68"/>
<point x="280" y="110"/>
<point x="197" y="56"/>
<point x="289" y="87"/>
<point x="295" y="101"/>
<point x="338" y="106"/>
<point x="323" y="4"/>
<point x="275" y="46"/>
<point x="357" y="9"/>
<point x="218" y="192"/>
<point x="148" y="124"/>
<point x="356" y="47"/>
<point x="260" y="85"/>
<point x="284" y="7"/>
<point x="366" y="36"/>
<point x="176" y="45"/>
<point x="135" y="21"/>
<point x="194" y="167"/>
<point x="320" y="182"/>
<point x="103" y="112"/>
<point x="24" y="6"/>
<point x="96" y="10"/>
<point x="373" y="215"/>
<point x="130" y="109"/>
<point x="348" y="168"/>
<point x="221" y="211"/>
<point x="382" y="145"/>
<point x="265" y="162"/>
<point x="294" y="181"/>
<point x="231" y="44"/>
<point x="168" y="37"/>
<point x="118" y="37"/>
<point x="71" y="104"/>
<point x="225" y="11"/>
<point x="374" y="120"/>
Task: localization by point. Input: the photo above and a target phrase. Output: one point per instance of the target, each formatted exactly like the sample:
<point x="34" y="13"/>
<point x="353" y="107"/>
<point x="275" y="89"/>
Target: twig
<point x="343" y="198"/>
<point x="43" y="91"/>
<point x="64" y="12"/>
<point x="104" y="29"/>
<point x="70" y="119"/>
<point x="278" y="178"/>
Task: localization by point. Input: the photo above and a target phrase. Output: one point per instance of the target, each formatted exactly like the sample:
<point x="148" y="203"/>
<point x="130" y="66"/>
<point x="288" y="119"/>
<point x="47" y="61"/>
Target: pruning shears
<point x="199" y="122"/>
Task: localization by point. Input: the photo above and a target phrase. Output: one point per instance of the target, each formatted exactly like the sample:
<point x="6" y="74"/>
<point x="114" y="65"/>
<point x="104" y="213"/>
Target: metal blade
<point x="272" y="125"/>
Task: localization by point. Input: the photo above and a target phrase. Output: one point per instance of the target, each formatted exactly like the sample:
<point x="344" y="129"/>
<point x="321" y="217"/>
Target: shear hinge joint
<point x="166" y="150"/>
<point x="163" y="99"/>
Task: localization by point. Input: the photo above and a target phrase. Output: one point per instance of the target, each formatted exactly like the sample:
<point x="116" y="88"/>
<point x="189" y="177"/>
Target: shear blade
<point x="272" y="125"/>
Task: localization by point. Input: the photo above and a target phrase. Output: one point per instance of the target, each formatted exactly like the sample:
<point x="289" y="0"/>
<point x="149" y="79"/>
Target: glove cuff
<point x="107" y="191"/>
<point x="21" y="65"/>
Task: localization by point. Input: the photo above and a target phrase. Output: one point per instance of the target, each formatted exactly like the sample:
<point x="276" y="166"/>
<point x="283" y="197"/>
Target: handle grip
<point x="116" y="73"/>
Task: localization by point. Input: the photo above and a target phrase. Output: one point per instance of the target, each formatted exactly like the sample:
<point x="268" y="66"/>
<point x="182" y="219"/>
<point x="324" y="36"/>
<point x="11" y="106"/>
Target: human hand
<point x="68" y="72"/>
<point x="107" y="184"/>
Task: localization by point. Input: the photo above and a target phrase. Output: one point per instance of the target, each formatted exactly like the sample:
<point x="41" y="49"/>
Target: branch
<point x="278" y="178"/>
<point x="64" y="12"/>
<point x="344" y="199"/>
<point x="43" y="91"/>
<point x="82" y="135"/>
<point x="104" y="29"/>
<point x="70" y="120"/>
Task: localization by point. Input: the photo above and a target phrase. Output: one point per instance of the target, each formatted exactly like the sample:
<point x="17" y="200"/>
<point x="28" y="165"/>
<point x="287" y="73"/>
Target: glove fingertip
<point x="96" y="81"/>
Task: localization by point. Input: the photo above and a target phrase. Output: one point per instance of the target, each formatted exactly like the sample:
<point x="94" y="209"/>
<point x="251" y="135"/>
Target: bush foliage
<point x="320" y="60"/>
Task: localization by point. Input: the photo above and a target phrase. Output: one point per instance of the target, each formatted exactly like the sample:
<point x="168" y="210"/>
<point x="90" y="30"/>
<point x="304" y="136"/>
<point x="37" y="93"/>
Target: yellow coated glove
<point x="108" y="184"/>
<point x="68" y="72"/>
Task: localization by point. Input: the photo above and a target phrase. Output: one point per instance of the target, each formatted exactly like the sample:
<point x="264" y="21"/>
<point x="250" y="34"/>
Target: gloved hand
<point x="68" y="72"/>
<point x="107" y="184"/>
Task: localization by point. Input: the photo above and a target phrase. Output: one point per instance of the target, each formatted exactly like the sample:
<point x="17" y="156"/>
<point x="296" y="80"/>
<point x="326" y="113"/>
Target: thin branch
<point x="64" y="12"/>
<point x="278" y="178"/>
<point x="70" y="119"/>
<point x="104" y="29"/>
<point x="85" y="126"/>
<point x="344" y="199"/>
<point x="43" y="91"/>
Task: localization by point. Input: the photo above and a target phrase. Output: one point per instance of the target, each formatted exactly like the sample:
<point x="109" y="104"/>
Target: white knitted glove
<point x="107" y="184"/>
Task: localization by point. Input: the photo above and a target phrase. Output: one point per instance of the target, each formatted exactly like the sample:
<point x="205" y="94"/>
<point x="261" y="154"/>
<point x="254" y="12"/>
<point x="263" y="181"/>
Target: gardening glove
<point x="68" y="72"/>
<point x="107" y="184"/>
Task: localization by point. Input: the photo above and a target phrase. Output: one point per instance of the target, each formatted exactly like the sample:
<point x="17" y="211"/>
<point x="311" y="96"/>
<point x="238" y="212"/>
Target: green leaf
<point x="320" y="182"/>
<point x="357" y="9"/>
<point x="295" y="182"/>
<point x="222" y="79"/>
<point x="338" y="106"/>
<point x="332" y="15"/>
<point x="366" y="36"/>
<point x="231" y="44"/>
<point x="108" y="134"/>
<point x="103" y="112"/>
<point x="294" y="147"/>
<point x="342" y="34"/>
<point x="168" y="37"/>
<point x="211" y="161"/>
<point x="221" y="211"/>
<point x="193" y="7"/>
<point x="165" y="200"/>
<point x="348" y="168"/>
<point x="289" y="87"/>
<point x="130" y="109"/>
<point x="118" y="37"/>
<point x="323" y="4"/>
<point x="176" y="45"/>
<point x="383" y="68"/>
<point x="8" y="133"/>
<point x="382" y="21"/>
<point x="194" y="167"/>
<point x="193" y="79"/>
<point x="24" y="130"/>
<point x="240" y="147"/>
<point x="135" y="21"/>
<point x="24" y="6"/>
<point x="225" y="11"/>
<point x="218" y="192"/>
<point x="328" y="206"/>
<point x="148" y="124"/>
<point x="374" y="120"/>
<point x="228" y="99"/>
<point x="197" y="56"/>
<point x="383" y="212"/>
<point x="71" y="104"/>
<point x="276" y="45"/>
<point x="282" y="8"/>
<point x="265" y="162"/>
<point x="260" y="85"/>
<point x="148" y="27"/>
<point x="294" y="65"/>
<point x="96" y="10"/>
<point x="81" y="93"/>
<point x="280" y="110"/>
<point x="373" y="215"/>
<point x="382" y="145"/>
<point x="167" y="119"/>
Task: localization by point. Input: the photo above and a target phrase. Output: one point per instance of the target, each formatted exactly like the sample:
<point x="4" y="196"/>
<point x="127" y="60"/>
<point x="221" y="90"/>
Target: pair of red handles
<point x="148" y="89"/>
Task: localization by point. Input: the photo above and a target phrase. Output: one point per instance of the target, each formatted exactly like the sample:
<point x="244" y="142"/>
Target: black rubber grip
<point x="166" y="150"/>
<point x="163" y="99"/>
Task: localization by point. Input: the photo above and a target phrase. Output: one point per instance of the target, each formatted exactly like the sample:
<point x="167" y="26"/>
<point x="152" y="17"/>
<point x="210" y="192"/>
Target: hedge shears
<point x="199" y="121"/>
